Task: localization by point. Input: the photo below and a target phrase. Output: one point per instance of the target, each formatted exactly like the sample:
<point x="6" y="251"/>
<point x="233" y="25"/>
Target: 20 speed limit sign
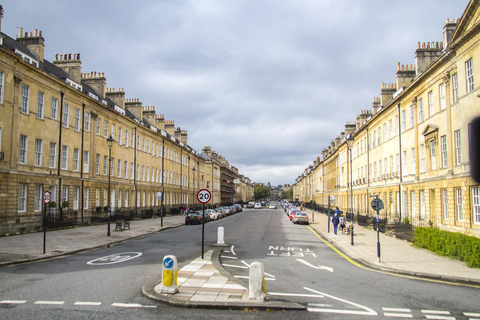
<point x="204" y="196"/>
<point x="46" y="197"/>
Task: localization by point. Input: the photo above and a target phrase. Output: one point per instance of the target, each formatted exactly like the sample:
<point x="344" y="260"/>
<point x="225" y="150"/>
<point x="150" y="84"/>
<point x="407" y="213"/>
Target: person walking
<point x="341" y="223"/>
<point x="335" y="222"/>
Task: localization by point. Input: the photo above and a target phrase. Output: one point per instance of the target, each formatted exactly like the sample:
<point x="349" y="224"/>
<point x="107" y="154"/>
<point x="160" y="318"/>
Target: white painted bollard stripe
<point x="50" y="302"/>
<point x="85" y="303"/>
<point x="13" y="301"/>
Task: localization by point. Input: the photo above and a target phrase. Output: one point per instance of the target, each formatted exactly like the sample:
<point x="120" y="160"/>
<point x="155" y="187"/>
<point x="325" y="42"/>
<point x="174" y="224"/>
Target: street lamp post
<point x="350" y="140"/>
<point x="110" y="142"/>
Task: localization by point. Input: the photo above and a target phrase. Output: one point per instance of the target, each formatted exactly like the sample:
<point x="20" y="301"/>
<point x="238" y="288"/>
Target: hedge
<point x="451" y="244"/>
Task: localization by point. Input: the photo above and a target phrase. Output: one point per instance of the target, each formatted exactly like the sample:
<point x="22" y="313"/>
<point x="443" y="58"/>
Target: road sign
<point x="168" y="262"/>
<point x="46" y="197"/>
<point x="159" y="196"/>
<point x="377" y="204"/>
<point x="204" y="196"/>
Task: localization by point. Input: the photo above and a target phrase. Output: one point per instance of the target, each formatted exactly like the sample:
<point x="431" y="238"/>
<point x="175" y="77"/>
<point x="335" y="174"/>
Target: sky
<point x="266" y="83"/>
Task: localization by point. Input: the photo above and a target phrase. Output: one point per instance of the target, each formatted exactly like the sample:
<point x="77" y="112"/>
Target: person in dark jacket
<point x="335" y="221"/>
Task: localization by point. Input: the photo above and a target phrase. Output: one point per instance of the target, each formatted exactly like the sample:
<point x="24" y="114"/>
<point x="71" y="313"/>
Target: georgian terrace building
<point x="412" y="148"/>
<point x="54" y="125"/>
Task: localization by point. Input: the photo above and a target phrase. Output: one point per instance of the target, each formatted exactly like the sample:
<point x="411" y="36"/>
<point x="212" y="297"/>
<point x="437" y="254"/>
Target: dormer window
<point x="27" y="58"/>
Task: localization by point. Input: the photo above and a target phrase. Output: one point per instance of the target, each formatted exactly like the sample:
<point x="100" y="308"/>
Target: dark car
<point x="194" y="217"/>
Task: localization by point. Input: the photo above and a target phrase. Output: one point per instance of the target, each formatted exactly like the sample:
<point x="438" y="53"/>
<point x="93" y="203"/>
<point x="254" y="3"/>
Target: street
<point x="299" y="266"/>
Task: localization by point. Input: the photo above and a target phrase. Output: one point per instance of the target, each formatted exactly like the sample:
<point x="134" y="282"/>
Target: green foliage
<point x="451" y="244"/>
<point x="65" y="204"/>
<point x="406" y="220"/>
<point x="52" y="204"/>
<point x="288" y="194"/>
<point x="261" y="192"/>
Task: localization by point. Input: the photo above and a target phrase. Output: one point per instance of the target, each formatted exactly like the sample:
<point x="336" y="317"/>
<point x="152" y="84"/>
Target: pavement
<point x="204" y="282"/>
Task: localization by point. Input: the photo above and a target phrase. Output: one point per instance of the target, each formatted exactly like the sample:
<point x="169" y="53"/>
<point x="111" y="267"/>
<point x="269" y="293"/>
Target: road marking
<point x="114" y="258"/>
<point x="469" y="314"/>
<point x="270" y="275"/>
<point x="398" y="315"/>
<point x="85" y="303"/>
<point x="126" y="305"/>
<point x="13" y="301"/>
<point x="50" y="302"/>
<point x="319" y="305"/>
<point x="396" y="310"/>
<point x="233" y="266"/>
<point x="227" y="257"/>
<point x="245" y="263"/>
<point x="231" y="249"/>
<point x="438" y="317"/>
<point x="295" y="295"/>
<point x="246" y="277"/>
<point x="367" y="311"/>
<point x="435" y="312"/>
<point x="314" y="267"/>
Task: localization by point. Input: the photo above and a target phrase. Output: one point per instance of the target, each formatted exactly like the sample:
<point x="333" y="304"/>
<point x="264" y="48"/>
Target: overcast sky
<point x="265" y="83"/>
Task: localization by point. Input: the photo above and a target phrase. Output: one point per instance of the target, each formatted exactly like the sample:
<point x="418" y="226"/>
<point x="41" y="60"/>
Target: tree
<point x="261" y="192"/>
<point x="287" y="194"/>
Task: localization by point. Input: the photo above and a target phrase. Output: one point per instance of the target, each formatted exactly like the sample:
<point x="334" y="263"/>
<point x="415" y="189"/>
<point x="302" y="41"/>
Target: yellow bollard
<point x="169" y="275"/>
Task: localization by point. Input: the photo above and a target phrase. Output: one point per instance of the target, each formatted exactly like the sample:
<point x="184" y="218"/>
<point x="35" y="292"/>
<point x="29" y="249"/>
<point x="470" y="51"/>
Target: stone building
<point x="411" y="149"/>
<point x="55" y="121"/>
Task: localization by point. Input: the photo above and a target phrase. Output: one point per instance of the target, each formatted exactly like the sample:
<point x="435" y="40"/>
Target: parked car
<point x="251" y="204"/>
<point x="221" y="213"/>
<point x="194" y="217"/>
<point x="293" y="213"/>
<point x="213" y="214"/>
<point x="300" y="217"/>
<point x="258" y="205"/>
<point x="272" y="205"/>
<point x="238" y="207"/>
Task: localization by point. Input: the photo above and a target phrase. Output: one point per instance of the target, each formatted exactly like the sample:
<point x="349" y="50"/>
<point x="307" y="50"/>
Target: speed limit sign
<point x="46" y="197"/>
<point x="204" y="196"/>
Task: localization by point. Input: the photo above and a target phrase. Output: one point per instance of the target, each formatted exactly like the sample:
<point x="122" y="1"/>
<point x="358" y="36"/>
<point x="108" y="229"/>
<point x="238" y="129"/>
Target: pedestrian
<point x="341" y="223"/>
<point x="335" y="222"/>
<point x="184" y="209"/>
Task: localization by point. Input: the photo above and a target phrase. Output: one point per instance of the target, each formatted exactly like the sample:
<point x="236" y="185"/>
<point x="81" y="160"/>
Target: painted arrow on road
<point x="314" y="267"/>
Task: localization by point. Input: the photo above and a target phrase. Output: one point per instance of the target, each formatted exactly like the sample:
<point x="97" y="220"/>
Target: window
<point x="97" y="163"/>
<point x="119" y="198"/>
<point x="113" y="132"/>
<point x="75" y="159"/>
<point x="126" y="198"/>
<point x="143" y="144"/>
<point x="397" y="124"/>
<point x="54" y="108"/>
<point x="77" y="119"/>
<point x="132" y="172"/>
<point x="76" y="193"/>
<point x="385" y="163"/>
<point x="138" y="172"/>
<point x="25" y="98"/>
<point x="105" y="165"/>
<point x="384" y="132"/>
<point x="97" y="198"/>
<point x="40" y="104"/>
<point x="65" y="157"/>
<point x="404" y="120"/>
<point x="105" y="129"/>
<point x="22" y="197"/>
<point x="458" y="148"/>
<point x="374" y="139"/>
<point x="398" y="164"/>
<point x="38" y="152"/>
<point x="412" y="197"/>
<point x="441" y="92"/>
<point x="97" y="129"/>
<point x="112" y="166"/>
<point x="143" y="173"/>
<point x="23" y="149"/>
<point x="430" y="104"/>
<point x="469" y="74"/>
<point x="476" y="205"/>
<point x="380" y="169"/>
<point x="422" y="205"/>
<point x="138" y="143"/>
<point x="459" y="204"/>
<point x="52" y="155"/>
<point x="132" y="140"/>
<point x="422" y="158"/>
<point x="2" y="83"/>
<point x="66" y="110"/>
<point x="86" y="197"/>
<point x="413" y="157"/>
<point x="433" y="155"/>
<point x="445" y="204"/>
<point x="391" y="166"/>
<point x="420" y="110"/>
<point x="125" y="169"/>
<point x="38" y="200"/>
<point x="404" y="160"/>
<point x="412" y="117"/>
<point x="455" y="88"/>
<point x="120" y="138"/>
<point x="148" y="173"/>
<point x="148" y="146"/>
<point x="126" y="138"/>
<point x="64" y="194"/>
<point x="87" y="121"/>
<point x="443" y="142"/>
<point x="86" y="161"/>
<point x="119" y="168"/>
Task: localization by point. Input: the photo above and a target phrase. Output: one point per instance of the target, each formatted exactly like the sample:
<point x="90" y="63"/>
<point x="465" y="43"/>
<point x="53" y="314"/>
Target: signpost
<point x="377" y="205"/>
<point x="203" y="196"/>
<point x="46" y="201"/>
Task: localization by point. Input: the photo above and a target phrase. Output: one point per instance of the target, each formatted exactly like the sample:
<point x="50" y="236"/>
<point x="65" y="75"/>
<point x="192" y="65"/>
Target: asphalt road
<point x="299" y="266"/>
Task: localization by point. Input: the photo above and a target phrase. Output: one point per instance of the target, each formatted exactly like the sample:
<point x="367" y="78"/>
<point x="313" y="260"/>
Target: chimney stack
<point x="71" y="64"/>
<point x="135" y="107"/>
<point x="448" y="30"/>
<point x="386" y="93"/>
<point x="426" y="54"/>
<point x="35" y="42"/>
<point x="405" y="75"/>
<point x="97" y="81"/>
<point x="116" y="96"/>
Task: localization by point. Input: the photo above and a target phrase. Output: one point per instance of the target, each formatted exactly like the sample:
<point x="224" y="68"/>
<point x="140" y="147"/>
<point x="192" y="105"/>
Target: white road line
<point x="270" y="275"/>
<point x="295" y="295"/>
<point x="233" y="266"/>
<point x="470" y="314"/>
<point x="245" y="263"/>
<point x="315" y="267"/>
<point x="246" y="277"/>
<point x="396" y="310"/>
<point x="435" y="312"/>
<point x="322" y="305"/>
<point x="227" y="257"/>
<point x="367" y="311"/>
<point x="231" y="249"/>
<point x="398" y="315"/>
<point x="438" y="317"/>
<point x="13" y="301"/>
<point x="126" y="305"/>
<point x="85" y="303"/>
<point x="50" y="302"/>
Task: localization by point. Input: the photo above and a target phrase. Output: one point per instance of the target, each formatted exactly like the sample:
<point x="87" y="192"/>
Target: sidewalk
<point x="29" y="246"/>
<point x="398" y="256"/>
